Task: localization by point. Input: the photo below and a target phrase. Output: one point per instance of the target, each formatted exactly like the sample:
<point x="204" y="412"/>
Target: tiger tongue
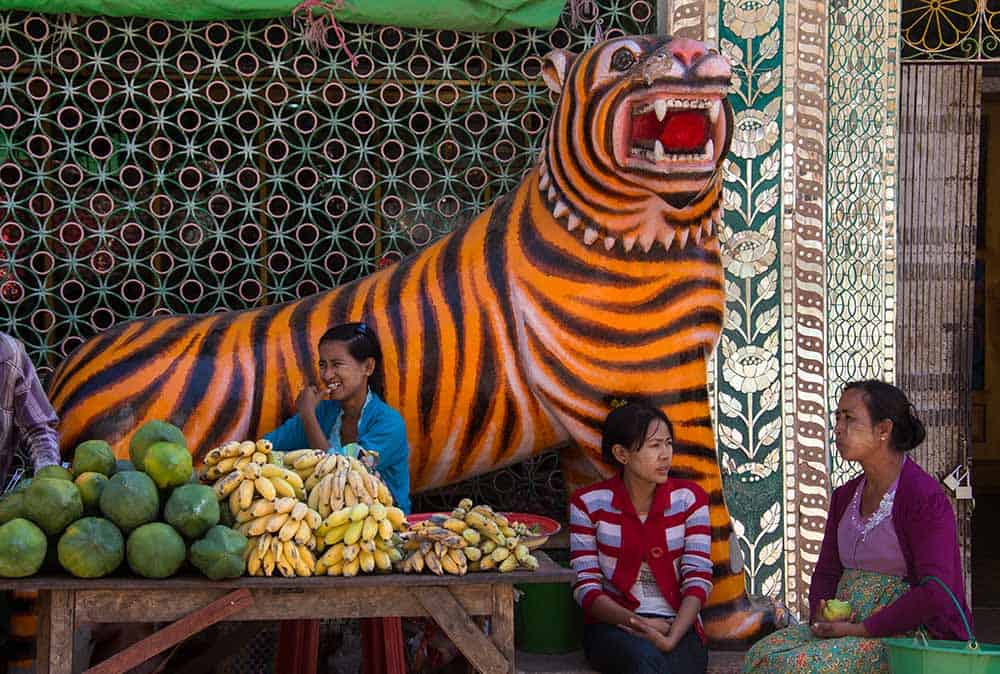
<point x="684" y="131"/>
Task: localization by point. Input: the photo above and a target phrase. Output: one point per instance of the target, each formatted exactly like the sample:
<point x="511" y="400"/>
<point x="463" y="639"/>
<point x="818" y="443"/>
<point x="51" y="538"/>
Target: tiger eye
<point x="623" y="59"/>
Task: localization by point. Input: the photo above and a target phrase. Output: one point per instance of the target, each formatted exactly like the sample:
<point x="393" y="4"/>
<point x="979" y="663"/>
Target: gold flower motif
<point x="748" y="253"/>
<point x="750" y="369"/>
<point x="754" y="133"/>
<point x="750" y="18"/>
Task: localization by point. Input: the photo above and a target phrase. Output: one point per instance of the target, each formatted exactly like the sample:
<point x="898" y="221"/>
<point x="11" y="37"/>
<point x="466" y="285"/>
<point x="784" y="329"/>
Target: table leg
<point x="467" y="636"/>
<point x="502" y="623"/>
<point x="56" y="625"/>
<point x="382" y="646"/>
<point x="298" y="647"/>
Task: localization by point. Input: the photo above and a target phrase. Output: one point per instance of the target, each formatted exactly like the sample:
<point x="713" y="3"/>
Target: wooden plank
<point x="502" y="626"/>
<point x="548" y="572"/>
<point x="365" y="602"/>
<point x="55" y="632"/>
<point x="463" y="632"/>
<point x="137" y="653"/>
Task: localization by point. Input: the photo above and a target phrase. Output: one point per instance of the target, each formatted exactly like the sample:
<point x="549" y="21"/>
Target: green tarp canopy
<point x="469" y="15"/>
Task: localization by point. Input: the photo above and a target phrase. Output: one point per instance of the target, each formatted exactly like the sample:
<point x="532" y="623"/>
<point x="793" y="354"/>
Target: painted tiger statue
<point x="599" y="276"/>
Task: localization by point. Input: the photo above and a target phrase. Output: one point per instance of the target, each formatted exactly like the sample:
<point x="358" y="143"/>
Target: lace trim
<point x="883" y="512"/>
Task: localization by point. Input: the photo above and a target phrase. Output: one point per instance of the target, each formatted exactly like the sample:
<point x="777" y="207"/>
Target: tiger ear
<point x="555" y="65"/>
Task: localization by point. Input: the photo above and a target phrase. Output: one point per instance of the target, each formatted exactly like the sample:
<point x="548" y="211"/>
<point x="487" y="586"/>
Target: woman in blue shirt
<point x="347" y="411"/>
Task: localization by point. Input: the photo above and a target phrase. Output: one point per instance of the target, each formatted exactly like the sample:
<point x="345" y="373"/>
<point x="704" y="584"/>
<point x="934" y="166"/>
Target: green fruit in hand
<point x="836" y="610"/>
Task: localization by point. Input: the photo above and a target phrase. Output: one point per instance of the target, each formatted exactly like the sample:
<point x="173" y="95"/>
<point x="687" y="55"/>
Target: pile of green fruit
<point x="149" y="511"/>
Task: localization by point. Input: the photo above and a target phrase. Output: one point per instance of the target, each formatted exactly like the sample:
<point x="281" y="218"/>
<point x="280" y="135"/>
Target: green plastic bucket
<point x="920" y="655"/>
<point x="546" y="618"/>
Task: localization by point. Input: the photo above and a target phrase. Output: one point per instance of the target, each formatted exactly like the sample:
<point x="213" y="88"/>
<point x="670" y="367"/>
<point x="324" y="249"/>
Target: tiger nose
<point x="686" y="50"/>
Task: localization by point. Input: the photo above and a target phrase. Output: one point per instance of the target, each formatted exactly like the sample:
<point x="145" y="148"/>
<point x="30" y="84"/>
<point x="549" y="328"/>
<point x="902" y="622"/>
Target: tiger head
<point x="635" y="148"/>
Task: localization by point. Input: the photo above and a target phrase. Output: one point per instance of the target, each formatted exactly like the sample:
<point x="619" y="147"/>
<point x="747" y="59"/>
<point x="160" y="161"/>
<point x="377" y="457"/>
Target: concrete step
<point x="719" y="662"/>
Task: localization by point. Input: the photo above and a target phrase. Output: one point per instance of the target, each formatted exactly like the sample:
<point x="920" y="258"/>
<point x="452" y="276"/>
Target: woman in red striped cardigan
<point x="639" y="543"/>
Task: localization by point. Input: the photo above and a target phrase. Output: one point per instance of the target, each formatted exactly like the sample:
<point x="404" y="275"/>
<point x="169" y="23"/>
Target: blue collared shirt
<point x="380" y="429"/>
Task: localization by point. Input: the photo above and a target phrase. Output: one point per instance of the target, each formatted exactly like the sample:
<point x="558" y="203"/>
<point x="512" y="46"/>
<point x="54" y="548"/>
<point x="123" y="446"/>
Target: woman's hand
<point x="655" y="630"/>
<point x="841" y="628"/>
<point x="307" y="401"/>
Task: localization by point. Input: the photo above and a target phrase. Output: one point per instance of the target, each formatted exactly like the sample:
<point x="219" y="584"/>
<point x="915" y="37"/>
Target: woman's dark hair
<point x="628" y="424"/>
<point x="885" y="401"/>
<point x="362" y="343"/>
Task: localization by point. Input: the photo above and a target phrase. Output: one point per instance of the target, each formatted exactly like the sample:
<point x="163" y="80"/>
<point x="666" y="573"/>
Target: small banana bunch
<point x="334" y="481"/>
<point x="241" y="470"/>
<point x="268" y="552"/>
<point x="360" y="539"/>
<point x="472" y="538"/>
<point x="282" y="536"/>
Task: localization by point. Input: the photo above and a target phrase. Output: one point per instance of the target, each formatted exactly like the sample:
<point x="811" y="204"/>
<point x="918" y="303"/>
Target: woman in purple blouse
<point x="887" y="529"/>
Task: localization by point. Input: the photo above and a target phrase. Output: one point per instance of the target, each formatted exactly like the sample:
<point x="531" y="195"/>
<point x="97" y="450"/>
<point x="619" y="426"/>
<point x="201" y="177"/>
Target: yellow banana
<point x="500" y="554"/>
<point x="530" y="562"/>
<point x="521" y="552"/>
<point x="303" y="533"/>
<point x="261" y="507"/>
<point x="292" y="478"/>
<point x="213" y="457"/>
<point x="457" y="526"/>
<point x="385" y="530"/>
<point x="384" y="495"/>
<point x="333" y="555"/>
<point x="282" y="487"/>
<point x="471" y="536"/>
<point x="472" y="553"/>
<point x="268" y="562"/>
<point x="311" y="481"/>
<point x="369" y="529"/>
<point x="508" y="564"/>
<point x="247" y="448"/>
<point x="337" y="518"/>
<point x="313" y="499"/>
<point x="351" y="552"/>
<point x="299" y="511"/>
<point x="287" y="530"/>
<point x="359" y="512"/>
<point x="351" y="568"/>
<point x="253" y="563"/>
<point x="271" y="470"/>
<point x="335" y="570"/>
<point x="257" y="527"/>
<point x="313" y="518"/>
<point x="225" y="486"/>
<point x="396" y="516"/>
<point x="292" y="457"/>
<point x="449" y="565"/>
<point x="309" y="460"/>
<point x="382" y="560"/>
<point x="465" y="504"/>
<point x="350" y="498"/>
<point x="234" y="499"/>
<point x="251" y="471"/>
<point x="242" y="462"/>
<point x="227" y="465"/>
<point x="264" y="446"/>
<point x="276" y="521"/>
<point x="265" y="488"/>
<point x="487" y="563"/>
<point x="433" y="563"/>
<point x="245" y="492"/>
<point x="336" y="534"/>
<point x="284" y="505"/>
<point x="367" y="561"/>
<point x="378" y="511"/>
<point x="417" y="561"/>
<point x="259" y="458"/>
<point x="353" y="533"/>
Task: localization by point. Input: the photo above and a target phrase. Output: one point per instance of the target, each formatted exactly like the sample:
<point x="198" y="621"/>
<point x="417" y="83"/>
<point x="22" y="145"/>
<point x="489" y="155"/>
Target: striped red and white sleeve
<point x="583" y="555"/>
<point x="696" y="560"/>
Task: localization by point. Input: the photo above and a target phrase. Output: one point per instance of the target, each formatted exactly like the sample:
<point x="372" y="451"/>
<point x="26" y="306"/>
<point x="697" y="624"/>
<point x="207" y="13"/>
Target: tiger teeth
<point x="666" y="237"/>
<point x="660" y="106"/>
<point x="543" y="182"/>
<point x="695" y="230"/>
<point x="589" y="236"/>
<point x="682" y="237"/>
<point x="560" y="209"/>
<point x="710" y="149"/>
<point x="713" y="111"/>
<point x="609" y="242"/>
<point x="658" y="152"/>
<point x="628" y="242"/>
<point x="552" y="193"/>
<point x="572" y="222"/>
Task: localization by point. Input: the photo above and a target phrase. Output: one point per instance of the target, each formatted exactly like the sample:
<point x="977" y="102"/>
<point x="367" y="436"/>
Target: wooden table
<point x="192" y="603"/>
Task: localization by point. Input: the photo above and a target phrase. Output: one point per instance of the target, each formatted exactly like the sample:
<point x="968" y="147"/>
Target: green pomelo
<point x="192" y="509"/>
<point x="52" y="503"/>
<point x="91" y="485"/>
<point x="22" y="548"/>
<point x="220" y="553"/>
<point x="130" y="499"/>
<point x="155" y="550"/>
<point x="149" y="434"/>
<point x="91" y="547"/>
<point x="94" y="456"/>
<point x="57" y="472"/>
<point x="169" y="464"/>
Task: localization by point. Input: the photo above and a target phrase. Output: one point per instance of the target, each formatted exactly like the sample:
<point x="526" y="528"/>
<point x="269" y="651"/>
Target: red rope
<point x="316" y="23"/>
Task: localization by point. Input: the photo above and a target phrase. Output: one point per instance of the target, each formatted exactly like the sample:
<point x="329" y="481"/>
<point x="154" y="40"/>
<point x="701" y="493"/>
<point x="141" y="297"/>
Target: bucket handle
<point x="973" y="644"/>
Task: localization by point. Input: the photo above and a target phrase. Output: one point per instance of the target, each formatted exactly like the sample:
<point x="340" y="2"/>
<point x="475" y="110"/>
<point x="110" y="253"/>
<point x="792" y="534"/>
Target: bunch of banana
<point x="472" y="538"/>
<point x="268" y="552"/>
<point x="360" y="539"/>
<point x="242" y="472"/>
<point x="334" y="481"/>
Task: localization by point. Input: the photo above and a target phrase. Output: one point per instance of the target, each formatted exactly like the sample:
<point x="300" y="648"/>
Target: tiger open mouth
<point x="674" y="129"/>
